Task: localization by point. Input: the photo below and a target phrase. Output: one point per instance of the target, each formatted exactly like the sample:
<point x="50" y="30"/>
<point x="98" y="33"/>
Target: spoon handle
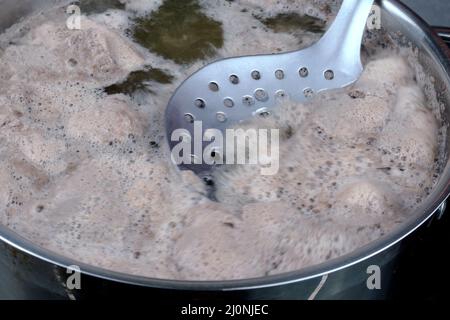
<point x="341" y="44"/>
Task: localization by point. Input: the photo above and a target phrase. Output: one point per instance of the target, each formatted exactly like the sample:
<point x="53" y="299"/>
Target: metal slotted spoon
<point x="235" y="89"/>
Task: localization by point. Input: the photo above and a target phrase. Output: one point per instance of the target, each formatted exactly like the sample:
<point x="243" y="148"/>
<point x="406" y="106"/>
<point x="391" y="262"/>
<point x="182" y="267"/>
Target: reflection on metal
<point x="441" y="210"/>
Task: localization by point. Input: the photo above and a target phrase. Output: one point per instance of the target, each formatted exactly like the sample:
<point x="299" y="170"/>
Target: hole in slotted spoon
<point x="256" y="75"/>
<point x="308" y="92"/>
<point x="213" y="86"/>
<point x="248" y="100"/>
<point x="234" y="79"/>
<point x="200" y="103"/>
<point x="221" y="116"/>
<point x="279" y="74"/>
<point x="329" y="74"/>
<point x="303" y="72"/>
<point x="280" y="94"/>
<point x="263" y="113"/>
<point x="261" y="95"/>
<point x="228" y="102"/>
<point x="189" y="118"/>
<point x="215" y="154"/>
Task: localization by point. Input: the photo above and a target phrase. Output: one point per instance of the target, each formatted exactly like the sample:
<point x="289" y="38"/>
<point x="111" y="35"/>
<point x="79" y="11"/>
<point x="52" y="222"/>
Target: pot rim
<point x="420" y="215"/>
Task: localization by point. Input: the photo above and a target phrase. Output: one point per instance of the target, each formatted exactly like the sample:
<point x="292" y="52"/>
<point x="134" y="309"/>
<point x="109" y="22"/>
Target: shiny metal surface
<point x="235" y="89"/>
<point x="29" y="271"/>
<point x="444" y="33"/>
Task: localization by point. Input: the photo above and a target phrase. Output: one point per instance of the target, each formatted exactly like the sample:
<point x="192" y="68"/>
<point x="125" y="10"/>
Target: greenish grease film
<point x="140" y="81"/>
<point x="179" y="31"/>
<point x="290" y="22"/>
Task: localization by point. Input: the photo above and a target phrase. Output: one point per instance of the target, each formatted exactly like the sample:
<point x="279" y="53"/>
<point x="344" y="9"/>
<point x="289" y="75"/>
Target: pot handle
<point x="441" y="210"/>
<point x="444" y="34"/>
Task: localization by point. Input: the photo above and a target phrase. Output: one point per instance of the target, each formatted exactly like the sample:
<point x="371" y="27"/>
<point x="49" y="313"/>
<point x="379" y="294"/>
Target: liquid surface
<point x="85" y="170"/>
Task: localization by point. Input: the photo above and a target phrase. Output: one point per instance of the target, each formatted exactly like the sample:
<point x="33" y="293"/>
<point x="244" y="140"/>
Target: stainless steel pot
<point x="29" y="271"/>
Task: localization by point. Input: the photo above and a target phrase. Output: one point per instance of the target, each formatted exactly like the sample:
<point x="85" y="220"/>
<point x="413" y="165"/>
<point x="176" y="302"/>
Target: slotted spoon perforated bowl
<point x="235" y="89"/>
